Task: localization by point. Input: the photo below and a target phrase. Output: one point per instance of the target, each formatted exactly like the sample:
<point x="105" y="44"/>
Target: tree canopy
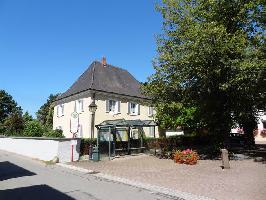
<point x="10" y="113"/>
<point x="210" y="68"/>
<point x="45" y="113"/>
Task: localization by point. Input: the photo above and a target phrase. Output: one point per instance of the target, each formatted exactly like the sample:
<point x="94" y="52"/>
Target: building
<point x="260" y="132"/>
<point x="116" y="94"/>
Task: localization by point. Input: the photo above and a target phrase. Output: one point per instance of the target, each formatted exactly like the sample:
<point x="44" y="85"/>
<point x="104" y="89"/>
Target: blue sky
<point x="45" y="45"/>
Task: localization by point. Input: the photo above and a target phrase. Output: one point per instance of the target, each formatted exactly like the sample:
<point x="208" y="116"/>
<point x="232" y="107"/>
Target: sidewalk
<point x="245" y="180"/>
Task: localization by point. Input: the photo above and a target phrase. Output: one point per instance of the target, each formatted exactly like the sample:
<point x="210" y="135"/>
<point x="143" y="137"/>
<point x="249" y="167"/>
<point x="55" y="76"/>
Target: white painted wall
<point x="45" y="149"/>
<point x="173" y="132"/>
<point x="100" y="115"/>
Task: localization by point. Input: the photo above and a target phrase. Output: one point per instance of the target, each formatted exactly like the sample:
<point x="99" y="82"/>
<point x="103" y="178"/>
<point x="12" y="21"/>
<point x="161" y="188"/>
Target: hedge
<point x="203" y="144"/>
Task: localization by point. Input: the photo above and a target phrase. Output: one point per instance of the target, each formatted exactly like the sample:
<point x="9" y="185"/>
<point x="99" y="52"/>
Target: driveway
<point x="25" y="179"/>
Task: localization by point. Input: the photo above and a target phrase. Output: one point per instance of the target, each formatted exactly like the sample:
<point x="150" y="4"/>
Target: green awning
<point x="126" y="123"/>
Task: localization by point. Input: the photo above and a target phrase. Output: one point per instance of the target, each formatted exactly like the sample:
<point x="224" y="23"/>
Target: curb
<point x="178" y="195"/>
<point x="79" y="169"/>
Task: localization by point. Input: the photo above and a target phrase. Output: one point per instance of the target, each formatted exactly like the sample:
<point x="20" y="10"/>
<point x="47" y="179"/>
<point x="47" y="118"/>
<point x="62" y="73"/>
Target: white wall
<point x="100" y="115"/>
<point x="45" y="149"/>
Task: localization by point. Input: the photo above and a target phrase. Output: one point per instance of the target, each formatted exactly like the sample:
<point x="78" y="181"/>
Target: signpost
<point x="74" y="128"/>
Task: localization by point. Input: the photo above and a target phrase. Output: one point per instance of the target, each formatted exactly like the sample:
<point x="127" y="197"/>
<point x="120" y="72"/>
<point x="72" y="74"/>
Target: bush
<point x="84" y="145"/>
<point x="207" y="146"/>
<point x="33" y="129"/>
<point x="188" y="157"/>
<point x="53" y="133"/>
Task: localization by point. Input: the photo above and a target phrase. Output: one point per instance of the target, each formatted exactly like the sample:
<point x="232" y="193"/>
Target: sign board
<point x="74" y="123"/>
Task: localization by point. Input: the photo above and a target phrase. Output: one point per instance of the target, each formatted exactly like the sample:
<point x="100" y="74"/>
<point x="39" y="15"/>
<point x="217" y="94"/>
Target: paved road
<point x="25" y="179"/>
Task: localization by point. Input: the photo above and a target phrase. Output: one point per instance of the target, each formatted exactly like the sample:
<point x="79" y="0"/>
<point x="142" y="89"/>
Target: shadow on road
<point x="9" y="170"/>
<point x="40" y="192"/>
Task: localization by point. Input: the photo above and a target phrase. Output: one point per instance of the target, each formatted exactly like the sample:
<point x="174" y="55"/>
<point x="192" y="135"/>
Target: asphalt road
<point x="22" y="178"/>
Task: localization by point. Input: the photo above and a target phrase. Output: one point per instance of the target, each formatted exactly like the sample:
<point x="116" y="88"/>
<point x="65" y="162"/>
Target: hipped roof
<point x="105" y="78"/>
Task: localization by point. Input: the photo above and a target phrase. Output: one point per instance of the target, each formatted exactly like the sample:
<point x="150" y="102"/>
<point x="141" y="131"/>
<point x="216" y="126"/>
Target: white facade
<point x="109" y="107"/>
<point x="261" y="127"/>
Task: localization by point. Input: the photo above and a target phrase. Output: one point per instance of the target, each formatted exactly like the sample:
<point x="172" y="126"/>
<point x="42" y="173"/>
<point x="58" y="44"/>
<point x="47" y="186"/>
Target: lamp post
<point x="92" y="109"/>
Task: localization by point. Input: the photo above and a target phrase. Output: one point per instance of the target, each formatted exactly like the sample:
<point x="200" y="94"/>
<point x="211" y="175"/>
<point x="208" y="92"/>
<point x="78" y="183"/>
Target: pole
<point x="92" y="135"/>
<point x="154" y="137"/>
<point x="72" y="149"/>
<point x="109" y="143"/>
<point x="128" y="144"/>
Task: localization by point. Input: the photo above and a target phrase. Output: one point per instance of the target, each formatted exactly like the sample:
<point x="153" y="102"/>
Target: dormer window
<point x="60" y="110"/>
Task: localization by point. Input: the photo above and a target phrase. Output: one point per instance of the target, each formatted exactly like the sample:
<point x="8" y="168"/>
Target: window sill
<point x="133" y="114"/>
<point x="114" y="113"/>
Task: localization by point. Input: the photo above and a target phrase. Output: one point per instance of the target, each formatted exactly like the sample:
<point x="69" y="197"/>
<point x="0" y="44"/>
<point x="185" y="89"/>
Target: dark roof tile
<point x="107" y="79"/>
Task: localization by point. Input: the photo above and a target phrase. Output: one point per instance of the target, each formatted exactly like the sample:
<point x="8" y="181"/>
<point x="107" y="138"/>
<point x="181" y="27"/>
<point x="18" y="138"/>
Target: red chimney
<point x="104" y="61"/>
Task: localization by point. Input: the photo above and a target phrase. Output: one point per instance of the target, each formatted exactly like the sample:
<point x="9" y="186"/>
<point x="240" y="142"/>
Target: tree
<point x="34" y="128"/>
<point x="45" y="113"/>
<point x="27" y="117"/>
<point x="10" y="113"/>
<point x="13" y="124"/>
<point x="211" y="60"/>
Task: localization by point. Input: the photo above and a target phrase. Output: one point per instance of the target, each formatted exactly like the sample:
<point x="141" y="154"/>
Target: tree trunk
<point x="248" y="126"/>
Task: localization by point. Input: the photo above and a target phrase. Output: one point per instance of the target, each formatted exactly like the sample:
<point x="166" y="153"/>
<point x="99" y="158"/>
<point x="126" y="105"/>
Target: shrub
<point x="263" y="133"/>
<point x="53" y="133"/>
<point x="33" y="129"/>
<point x="84" y="145"/>
<point x="188" y="157"/>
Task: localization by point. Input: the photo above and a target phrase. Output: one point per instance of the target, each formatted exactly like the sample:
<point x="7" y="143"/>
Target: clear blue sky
<point x="45" y="45"/>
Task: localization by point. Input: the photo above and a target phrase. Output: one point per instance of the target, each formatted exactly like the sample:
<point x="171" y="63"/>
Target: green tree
<point x="13" y="124"/>
<point x="211" y="61"/>
<point x="33" y="128"/>
<point x="27" y="117"/>
<point x="9" y="112"/>
<point x="45" y="113"/>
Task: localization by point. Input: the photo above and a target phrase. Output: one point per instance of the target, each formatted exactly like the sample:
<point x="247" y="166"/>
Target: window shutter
<point x="118" y="106"/>
<point x="62" y="109"/>
<point x="81" y="105"/>
<point x="57" y="111"/>
<point x="107" y="106"/>
<point x="150" y="111"/>
<point x="138" y="105"/>
<point x="75" y="106"/>
<point x="128" y="108"/>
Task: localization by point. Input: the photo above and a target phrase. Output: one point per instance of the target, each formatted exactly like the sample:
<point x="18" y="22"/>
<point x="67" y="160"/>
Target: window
<point x="150" y="111"/>
<point x="151" y="131"/>
<point x="112" y="106"/>
<point x="79" y="106"/>
<point x="59" y="128"/>
<point x="60" y="110"/>
<point x="133" y="108"/>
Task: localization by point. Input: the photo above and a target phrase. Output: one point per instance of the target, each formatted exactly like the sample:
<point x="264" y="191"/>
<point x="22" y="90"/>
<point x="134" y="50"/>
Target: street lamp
<point x="92" y="109"/>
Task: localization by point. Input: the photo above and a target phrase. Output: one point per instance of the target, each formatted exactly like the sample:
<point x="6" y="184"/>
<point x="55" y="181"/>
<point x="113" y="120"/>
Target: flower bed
<point x="255" y="132"/>
<point x="188" y="157"/>
<point x="263" y="133"/>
